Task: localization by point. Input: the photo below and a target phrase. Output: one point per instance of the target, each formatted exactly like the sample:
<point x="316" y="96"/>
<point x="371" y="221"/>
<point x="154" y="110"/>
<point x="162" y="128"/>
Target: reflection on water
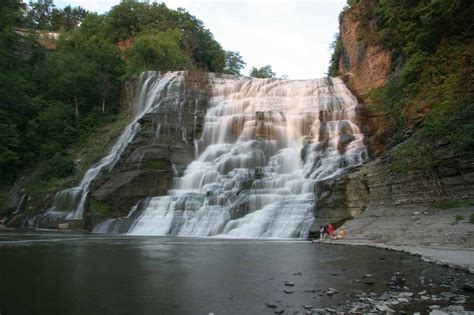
<point x="56" y="273"/>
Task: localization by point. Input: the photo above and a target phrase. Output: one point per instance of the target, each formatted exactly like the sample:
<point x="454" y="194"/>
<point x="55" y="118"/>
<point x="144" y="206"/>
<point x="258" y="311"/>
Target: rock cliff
<point x="163" y="147"/>
<point x="367" y="65"/>
<point x="394" y="182"/>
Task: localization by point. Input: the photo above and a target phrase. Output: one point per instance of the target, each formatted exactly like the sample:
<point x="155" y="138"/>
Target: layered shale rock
<point x="162" y="148"/>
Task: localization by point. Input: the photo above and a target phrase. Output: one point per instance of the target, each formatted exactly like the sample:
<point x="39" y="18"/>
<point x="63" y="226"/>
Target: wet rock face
<point x="163" y="147"/>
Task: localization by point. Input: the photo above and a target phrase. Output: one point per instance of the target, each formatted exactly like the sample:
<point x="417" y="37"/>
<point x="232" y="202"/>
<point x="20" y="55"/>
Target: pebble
<point x="279" y="312"/>
<point x="468" y="288"/>
<point x="422" y="292"/>
<point x="402" y="300"/>
<point x="455" y="308"/>
<point x="434" y="307"/>
<point x="289" y="284"/>
<point x="297" y="274"/>
<point x="384" y="308"/>
<point x="405" y="294"/>
<point x="288" y="291"/>
<point x="271" y="305"/>
<point x="460" y="297"/>
<point x="447" y="295"/>
<point x="308" y="307"/>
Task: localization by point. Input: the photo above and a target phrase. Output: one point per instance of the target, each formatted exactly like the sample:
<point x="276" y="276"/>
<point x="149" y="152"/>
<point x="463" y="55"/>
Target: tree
<point x="9" y="143"/>
<point x="67" y="18"/>
<point x="10" y="13"/>
<point x="158" y="51"/>
<point x="40" y="14"/>
<point x="234" y="62"/>
<point x="263" y="72"/>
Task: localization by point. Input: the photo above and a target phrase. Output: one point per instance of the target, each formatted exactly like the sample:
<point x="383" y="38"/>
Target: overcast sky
<point x="291" y="36"/>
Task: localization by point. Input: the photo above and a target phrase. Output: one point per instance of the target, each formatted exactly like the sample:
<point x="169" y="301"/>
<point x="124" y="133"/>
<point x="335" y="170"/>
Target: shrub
<point x="458" y="218"/>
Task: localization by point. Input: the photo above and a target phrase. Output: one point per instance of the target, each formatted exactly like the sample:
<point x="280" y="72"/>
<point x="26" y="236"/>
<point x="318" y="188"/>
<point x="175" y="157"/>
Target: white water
<point x="152" y="86"/>
<point x="265" y="145"/>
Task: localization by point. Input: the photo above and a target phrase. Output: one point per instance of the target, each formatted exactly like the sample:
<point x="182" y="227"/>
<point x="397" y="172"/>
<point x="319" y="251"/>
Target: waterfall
<point x="266" y="144"/>
<point x="70" y="203"/>
<point x="21" y="205"/>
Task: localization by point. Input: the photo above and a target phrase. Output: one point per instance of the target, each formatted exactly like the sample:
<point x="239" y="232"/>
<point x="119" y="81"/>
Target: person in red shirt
<point x="330" y="230"/>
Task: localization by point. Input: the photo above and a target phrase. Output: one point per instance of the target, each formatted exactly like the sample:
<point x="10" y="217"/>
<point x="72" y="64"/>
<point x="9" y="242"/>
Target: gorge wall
<point x="399" y="180"/>
<point x="162" y="149"/>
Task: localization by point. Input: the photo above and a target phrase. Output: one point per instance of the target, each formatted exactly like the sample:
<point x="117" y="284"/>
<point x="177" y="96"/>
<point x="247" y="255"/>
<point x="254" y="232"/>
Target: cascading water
<point x="266" y="144"/>
<point x="69" y="204"/>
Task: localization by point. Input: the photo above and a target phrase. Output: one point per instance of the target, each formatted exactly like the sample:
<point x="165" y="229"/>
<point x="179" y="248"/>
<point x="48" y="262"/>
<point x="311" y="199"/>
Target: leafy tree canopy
<point x="263" y="72"/>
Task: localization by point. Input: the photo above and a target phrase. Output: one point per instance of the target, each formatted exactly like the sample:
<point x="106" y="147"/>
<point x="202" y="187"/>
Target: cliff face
<point x="163" y="147"/>
<point x="366" y="64"/>
<point x="399" y="180"/>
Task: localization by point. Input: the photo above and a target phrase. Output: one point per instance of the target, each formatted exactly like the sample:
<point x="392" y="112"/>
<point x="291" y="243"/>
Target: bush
<point x="158" y="51"/>
<point x="59" y="166"/>
<point x="458" y="218"/>
<point x="471" y="218"/>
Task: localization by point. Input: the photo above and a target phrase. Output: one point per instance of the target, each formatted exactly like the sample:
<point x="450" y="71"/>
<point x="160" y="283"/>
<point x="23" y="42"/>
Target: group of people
<point x="328" y="231"/>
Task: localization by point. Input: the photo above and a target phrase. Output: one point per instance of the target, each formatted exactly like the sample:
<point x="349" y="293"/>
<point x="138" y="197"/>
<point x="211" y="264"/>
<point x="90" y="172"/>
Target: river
<point x="69" y="273"/>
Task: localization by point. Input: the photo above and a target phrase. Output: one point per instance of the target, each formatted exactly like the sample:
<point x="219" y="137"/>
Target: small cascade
<point x="266" y="144"/>
<point x="69" y="204"/>
<point x="21" y="205"/>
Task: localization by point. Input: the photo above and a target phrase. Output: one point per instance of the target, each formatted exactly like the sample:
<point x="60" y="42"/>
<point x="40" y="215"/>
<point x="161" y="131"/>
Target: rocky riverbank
<point x="435" y="298"/>
<point x="433" y="234"/>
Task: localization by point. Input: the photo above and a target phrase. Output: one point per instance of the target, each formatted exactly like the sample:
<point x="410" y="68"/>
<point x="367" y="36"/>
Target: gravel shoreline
<point x="461" y="259"/>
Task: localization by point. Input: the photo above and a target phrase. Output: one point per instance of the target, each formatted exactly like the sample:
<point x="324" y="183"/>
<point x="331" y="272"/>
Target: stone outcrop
<point x="390" y="183"/>
<point x="162" y="149"/>
<point x="389" y="186"/>
<point x="368" y="65"/>
<point x="365" y="66"/>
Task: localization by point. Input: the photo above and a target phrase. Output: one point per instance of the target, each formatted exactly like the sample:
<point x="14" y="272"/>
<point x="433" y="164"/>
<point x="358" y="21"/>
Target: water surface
<point x="65" y="273"/>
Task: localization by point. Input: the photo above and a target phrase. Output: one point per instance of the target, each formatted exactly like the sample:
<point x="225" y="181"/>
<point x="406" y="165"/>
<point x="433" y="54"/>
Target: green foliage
<point x="453" y="203"/>
<point x="432" y="62"/>
<point x="59" y="166"/>
<point x="96" y="206"/>
<point x="263" y="72"/>
<point x="337" y="53"/>
<point x="234" y="63"/>
<point x="400" y="167"/>
<point x="159" y="165"/>
<point x="45" y="16"/>
<point x="471" y="218"/>
<point x="9" y="143"/>
<point x="132" y="18"/>
<point x="56" y="101"/>
<point x="157" y="51"/>
<point x="458" y="218"/>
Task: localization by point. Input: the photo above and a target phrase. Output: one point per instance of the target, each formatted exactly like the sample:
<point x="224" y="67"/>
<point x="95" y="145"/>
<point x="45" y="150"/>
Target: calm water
<point x="54" y="273"/>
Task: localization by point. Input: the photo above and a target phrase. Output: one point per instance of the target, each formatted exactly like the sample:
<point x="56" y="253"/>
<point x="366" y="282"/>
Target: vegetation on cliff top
<point x="53" y="98"/>
<point x="431" y="88"/>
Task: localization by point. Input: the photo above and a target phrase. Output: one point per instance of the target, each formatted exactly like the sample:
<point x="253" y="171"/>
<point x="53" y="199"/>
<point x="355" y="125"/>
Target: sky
<point x="291" y="36"/>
